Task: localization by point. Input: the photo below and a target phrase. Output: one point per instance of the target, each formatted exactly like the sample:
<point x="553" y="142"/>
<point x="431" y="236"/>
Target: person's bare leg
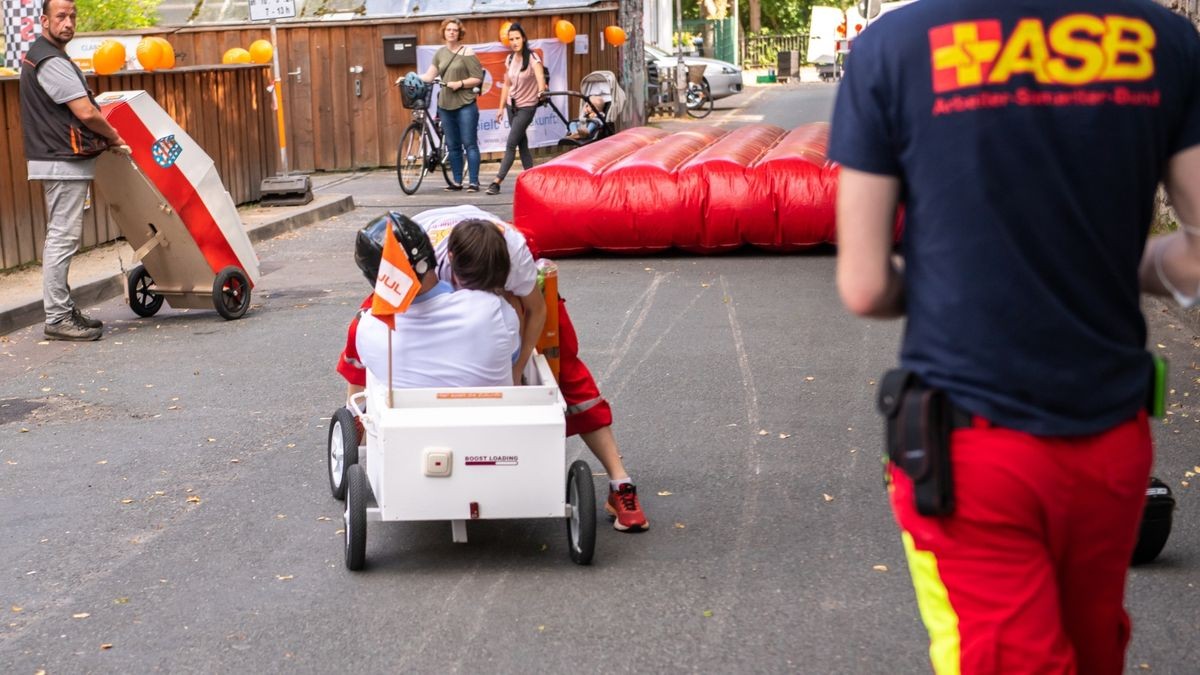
<point x="603" y="445"/>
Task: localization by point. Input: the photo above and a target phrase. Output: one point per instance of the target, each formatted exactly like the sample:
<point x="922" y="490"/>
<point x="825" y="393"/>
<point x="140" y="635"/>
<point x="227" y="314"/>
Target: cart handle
<point x="357" y="403"/>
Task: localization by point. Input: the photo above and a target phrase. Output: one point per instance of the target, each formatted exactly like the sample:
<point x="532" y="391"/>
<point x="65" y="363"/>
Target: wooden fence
<point x="339" y="120"/>
<point x="226" y="109"/>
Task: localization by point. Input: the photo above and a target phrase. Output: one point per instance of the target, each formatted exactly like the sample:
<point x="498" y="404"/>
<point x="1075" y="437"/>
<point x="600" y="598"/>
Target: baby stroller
<point x="600" y="99"/>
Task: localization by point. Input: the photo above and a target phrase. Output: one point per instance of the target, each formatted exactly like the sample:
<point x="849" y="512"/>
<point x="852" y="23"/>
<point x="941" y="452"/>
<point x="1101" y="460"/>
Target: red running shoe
<point x="623" y="505"/>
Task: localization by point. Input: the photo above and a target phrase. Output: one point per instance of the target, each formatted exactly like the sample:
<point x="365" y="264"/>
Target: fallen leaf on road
<point x="665" y="493"/>
<point x="541" y="629"/>
<point x="322" y="518"/>
<point x="24" y="430"/>
<point x="212" y="440"/>
<point x="126" y="501"/>
<point x="680" y="526"/>
<point x="80" y="615"/>
<point x="785" y="435"/>
<point x="159" y="493"/>
<point x="763" y="432"/>
<point x="543" y="548"/>
<point x="280" y="516"/>
<point x="880" y="568"/>
<point x="1160" y="345"/>
<point x="809" y="378"/>
<point x="172" y="407"/>
<point x="103" y="461"/>
<point x="121" y="601"/>
<point x="235" y="460"/>
<point x="106" y="646"/>
<point x="193" y="499"/>
<point x="708" y="613"/>
<point x="284" y="577"/>
<point x="340" y="532"/>
<point x="16" y="609"/>
<point x="291" y="445"/>
<point x="10" y="462"/>
<point x="828" y="497"/>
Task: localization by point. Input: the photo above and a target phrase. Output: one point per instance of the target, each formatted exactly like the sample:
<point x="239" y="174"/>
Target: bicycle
<point x="699" y="99"/>
<point x="423" y="144"/>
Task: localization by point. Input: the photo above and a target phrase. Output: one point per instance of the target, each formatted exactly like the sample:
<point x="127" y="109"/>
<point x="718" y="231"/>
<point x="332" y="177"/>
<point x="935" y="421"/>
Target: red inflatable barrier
<point x="803" y="185"/>
<point x="703" y="190"/>
<point x="556" y="197"/>
<point x="641" y="206"/>
<point x="719" y="177"/>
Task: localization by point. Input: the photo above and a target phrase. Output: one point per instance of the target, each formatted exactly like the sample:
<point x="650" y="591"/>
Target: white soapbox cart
<point x="459" y="454"/>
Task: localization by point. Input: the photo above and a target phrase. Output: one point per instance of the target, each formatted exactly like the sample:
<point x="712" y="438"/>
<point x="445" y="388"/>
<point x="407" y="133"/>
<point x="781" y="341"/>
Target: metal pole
<point x="278" y="89"/>
<point x="680" y="68"/>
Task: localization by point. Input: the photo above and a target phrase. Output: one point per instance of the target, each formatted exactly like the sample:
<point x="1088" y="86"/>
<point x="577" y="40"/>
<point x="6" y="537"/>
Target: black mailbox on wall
<point x="400" y="50"/>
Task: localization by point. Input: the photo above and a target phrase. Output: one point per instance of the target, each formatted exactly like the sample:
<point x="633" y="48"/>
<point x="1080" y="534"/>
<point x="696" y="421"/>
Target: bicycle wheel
<point x="410" y="160"/>
<point x="699" y="100"/>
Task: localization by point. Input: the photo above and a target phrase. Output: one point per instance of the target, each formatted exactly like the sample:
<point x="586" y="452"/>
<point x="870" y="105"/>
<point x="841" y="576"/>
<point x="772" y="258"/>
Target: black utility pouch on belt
<point x="919" y="422"/>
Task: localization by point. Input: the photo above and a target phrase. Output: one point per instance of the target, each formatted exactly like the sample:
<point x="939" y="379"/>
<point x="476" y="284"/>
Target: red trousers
<point x="1028" y="574"/>
<point x="586" y="408"/>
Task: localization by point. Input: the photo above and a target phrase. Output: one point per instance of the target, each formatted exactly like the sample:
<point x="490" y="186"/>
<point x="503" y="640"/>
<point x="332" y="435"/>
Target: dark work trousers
<point x="517" y="140"/>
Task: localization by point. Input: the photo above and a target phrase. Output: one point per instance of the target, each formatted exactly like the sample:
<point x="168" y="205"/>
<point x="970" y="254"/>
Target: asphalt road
<point x="163" y="491"/>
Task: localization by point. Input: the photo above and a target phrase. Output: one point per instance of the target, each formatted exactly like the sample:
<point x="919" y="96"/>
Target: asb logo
<point x="1077" y="49"/>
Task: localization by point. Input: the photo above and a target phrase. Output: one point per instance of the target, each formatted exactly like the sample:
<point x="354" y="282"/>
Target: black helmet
<point x="368" y="245"/>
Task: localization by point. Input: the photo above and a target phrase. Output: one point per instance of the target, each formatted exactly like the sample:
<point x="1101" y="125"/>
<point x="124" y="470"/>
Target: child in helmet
<point x="445" y="338"/>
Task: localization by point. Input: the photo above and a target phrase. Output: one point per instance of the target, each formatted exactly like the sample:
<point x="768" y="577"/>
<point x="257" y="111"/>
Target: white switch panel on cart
<point x="438" y="461"/>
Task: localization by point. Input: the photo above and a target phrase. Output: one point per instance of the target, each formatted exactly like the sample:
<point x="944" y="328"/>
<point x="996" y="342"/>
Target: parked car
<point x="724" y="78"/>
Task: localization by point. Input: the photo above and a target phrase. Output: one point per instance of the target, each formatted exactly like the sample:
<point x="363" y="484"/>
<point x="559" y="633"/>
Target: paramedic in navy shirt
<point x="1026" y="141"/>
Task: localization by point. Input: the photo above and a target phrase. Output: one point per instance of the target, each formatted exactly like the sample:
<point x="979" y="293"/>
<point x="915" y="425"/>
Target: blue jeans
<point x="461" y="127"/>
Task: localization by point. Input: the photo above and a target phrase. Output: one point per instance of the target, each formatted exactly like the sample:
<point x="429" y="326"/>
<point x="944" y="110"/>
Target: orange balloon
<point x="168" y="53"/>
<point x="149" y="54"/>
<point x="504" y="32"/>
<point x="261" y="51"/>
<point x="109" y="57"/>
<point x="235" y="55"/>
<point x="564" y="30"/>
<point x="614" y="35"/>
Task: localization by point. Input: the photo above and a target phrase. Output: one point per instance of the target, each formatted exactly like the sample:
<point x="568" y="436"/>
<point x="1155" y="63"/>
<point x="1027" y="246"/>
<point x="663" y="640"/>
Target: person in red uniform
<point x="1026" y="141"/>
<point x="589" y="415"/>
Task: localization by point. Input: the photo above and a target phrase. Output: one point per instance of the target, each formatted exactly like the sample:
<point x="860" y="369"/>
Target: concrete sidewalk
<point x="99" y="273"/>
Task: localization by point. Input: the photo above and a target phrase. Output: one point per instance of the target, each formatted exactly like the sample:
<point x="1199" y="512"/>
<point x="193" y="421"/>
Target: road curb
<point x="99" y="290"/>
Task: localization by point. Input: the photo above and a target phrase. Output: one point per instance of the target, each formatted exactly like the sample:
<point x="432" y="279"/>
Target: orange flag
<point x="397" y="283"/>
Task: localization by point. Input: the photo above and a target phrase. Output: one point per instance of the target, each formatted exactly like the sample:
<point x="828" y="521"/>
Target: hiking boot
<point x="72" y="330"/>
<point x="86" y="320"/>
<point x="623" y="506"/>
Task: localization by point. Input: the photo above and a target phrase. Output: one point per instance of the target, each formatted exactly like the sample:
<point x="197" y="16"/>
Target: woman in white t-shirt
<point x="524" y="82"/>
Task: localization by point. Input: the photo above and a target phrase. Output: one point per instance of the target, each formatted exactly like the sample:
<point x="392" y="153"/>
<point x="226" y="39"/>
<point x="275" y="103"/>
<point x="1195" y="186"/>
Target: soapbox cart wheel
<point x="343" y="450"/>
<point x="581" y="526"/>
<point x="231" y="293"/>
<point x="143" y="301"/>
<point x="358" y="489"/>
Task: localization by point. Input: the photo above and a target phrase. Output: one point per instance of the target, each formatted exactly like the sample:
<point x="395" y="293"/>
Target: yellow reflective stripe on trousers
<point x="936" y="611"/>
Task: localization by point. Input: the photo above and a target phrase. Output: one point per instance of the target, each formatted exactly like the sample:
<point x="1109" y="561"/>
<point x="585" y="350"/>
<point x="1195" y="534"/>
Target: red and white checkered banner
<point x="21" y="28"/>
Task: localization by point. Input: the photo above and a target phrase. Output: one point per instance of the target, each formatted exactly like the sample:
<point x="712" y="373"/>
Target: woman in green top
<point x="461" y="74"/>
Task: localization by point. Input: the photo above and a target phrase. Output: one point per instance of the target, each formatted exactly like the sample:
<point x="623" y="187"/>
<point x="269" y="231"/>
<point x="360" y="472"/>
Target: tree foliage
<point x="97" y="15"/>
<point x="780" y="16"/>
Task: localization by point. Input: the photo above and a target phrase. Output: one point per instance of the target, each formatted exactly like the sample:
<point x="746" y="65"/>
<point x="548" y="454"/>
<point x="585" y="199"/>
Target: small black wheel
<point x="1155" y="528"/>
<point x="143" y="301"/>
<point x="699" y="100"/>
<point x="358" y="490"/>
<point x="343" y="450"/>
<point x="581" y="526"/>
<point x="410" y="159"/>
<point x="231" y="293"/>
